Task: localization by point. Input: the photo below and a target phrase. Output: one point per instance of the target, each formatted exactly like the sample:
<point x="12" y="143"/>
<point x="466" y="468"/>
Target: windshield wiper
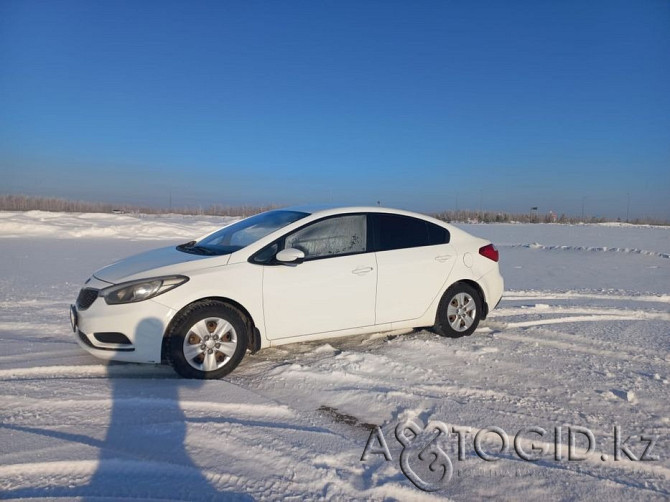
<point x="190" y="247"/>
<point x="186" y="245"/>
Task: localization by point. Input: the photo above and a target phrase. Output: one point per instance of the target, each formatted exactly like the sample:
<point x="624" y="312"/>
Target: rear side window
<point x="394" y="231"/>
<point x="436" y="234"/>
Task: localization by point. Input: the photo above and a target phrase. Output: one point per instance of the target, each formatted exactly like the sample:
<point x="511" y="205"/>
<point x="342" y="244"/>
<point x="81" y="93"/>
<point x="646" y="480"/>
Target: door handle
<point x="362" y="270"/>
<point x="443" y="258"/>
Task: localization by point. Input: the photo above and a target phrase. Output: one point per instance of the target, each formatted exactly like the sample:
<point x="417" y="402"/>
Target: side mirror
<point x="290" y="255"/>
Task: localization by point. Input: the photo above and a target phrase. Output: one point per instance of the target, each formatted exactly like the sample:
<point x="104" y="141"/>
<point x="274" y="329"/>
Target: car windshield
<point x="242" y="233"/>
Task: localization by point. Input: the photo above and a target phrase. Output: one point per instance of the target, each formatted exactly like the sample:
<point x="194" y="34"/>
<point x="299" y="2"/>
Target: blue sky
<point x="423" y="105"/>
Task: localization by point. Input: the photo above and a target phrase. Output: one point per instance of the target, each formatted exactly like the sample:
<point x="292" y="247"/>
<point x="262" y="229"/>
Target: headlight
<point x="137" y="291"/>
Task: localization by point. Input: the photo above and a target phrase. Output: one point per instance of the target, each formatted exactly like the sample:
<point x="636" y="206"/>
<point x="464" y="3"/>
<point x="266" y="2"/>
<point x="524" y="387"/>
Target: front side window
<point x="341" y="235"/>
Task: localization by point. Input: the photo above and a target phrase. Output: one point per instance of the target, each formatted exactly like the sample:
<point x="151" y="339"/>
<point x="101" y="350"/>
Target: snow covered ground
<point x="581" y="340"/>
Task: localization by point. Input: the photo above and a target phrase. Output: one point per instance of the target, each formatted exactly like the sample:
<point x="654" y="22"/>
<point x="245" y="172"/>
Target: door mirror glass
<point x="290" y="255"/>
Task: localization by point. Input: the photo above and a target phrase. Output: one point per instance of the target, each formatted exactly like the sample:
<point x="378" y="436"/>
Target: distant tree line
<point x="31" y="203"/>
<point x="502" y="217"/>
<point x="471" y="216"/>
<point x="28" y="203"/>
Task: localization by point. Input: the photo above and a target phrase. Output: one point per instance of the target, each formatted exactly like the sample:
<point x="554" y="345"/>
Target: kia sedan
<point x="286" y="276"/>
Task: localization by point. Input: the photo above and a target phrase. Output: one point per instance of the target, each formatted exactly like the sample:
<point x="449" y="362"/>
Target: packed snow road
<point x="563" y="389"/>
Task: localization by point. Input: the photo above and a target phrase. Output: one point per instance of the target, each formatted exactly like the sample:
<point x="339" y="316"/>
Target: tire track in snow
<point x="128" y="370"/>
<point x="97" y="405"/>
<point x="569" y="345"/>
<point x="516" y="295"/>
<point x="245" y="439"/>
<point x="322" y="375"/>
<point x="579" y="343"/>
<point x="542" y="309"/>
<point x="75" y="351"/>
<point x="69" y="479"/>
<point x="570" y="319"/>
<point x="592" y="249"/>
<point x="568" y="315"/>
<point x="73" y="474"/>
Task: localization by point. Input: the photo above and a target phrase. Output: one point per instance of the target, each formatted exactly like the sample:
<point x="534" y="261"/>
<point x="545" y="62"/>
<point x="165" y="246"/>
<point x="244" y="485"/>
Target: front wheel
<point x="459" y="311"/>
<point x="207" y="341"/>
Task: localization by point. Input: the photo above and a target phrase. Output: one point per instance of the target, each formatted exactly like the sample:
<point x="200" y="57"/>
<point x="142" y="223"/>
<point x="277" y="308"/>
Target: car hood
<point x="157" y="262"/>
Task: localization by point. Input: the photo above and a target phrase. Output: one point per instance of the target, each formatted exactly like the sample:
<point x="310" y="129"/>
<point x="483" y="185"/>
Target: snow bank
<point x="619" y="238"/>
<point x="597" y="249"/>
<point x="97" y="225"/>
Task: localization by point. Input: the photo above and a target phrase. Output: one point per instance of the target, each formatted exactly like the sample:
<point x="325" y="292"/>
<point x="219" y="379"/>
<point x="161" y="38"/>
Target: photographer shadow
<point x="144" y="453"/>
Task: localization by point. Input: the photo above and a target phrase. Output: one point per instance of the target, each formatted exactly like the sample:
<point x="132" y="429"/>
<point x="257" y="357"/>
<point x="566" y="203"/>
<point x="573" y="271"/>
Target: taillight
<point x="489" y="251"/>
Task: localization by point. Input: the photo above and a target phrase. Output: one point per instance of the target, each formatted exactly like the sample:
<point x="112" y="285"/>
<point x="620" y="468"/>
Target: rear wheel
<point x="207" y="341"/>
<point x="459" y="311"/>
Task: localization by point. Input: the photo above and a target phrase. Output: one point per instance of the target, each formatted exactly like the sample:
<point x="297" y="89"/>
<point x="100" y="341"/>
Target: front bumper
<point x="131" y="332"/>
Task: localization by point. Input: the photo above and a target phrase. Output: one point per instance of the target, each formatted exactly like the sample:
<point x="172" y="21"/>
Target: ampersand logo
<point x="423" y="444"/>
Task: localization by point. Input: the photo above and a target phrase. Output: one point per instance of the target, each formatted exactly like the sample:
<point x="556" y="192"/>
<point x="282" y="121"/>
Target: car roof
<point x="332" y="209"/>
<point x="313" y="208"/>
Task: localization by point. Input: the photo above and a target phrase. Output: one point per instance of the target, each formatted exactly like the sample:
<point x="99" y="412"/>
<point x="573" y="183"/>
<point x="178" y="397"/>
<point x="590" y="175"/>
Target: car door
<point x="334" y="287"/>
<point x="414" y="260"/>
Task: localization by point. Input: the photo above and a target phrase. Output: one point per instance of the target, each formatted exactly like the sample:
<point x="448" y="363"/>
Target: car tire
<point x="207" y="340"/>
<point x="459" y="311"/>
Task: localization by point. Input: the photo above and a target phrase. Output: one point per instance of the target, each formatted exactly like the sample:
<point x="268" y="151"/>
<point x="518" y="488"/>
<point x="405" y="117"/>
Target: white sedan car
<point x="286" y="276"/>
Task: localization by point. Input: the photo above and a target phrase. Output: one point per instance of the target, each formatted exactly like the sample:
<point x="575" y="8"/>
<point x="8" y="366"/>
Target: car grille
<point x="86" y="298"/>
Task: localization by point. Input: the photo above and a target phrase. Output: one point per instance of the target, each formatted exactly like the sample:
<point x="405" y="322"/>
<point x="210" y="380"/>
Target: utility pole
<point x="627" y="206"/>
<point x="481" y="198"/>
<point x="583" y="199"/>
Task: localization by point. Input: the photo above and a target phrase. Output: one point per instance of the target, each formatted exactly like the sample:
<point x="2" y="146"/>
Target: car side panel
<point x="319" y="296"/>
<point x="410" y="279"/>
<point x="239" y="282"/>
